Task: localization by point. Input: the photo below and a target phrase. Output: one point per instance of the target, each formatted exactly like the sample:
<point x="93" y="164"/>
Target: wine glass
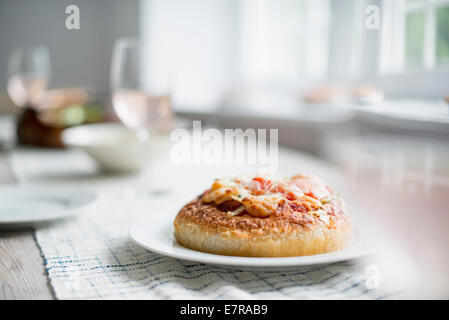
<point x="141" y="103"/>
<point x="29" y="74"/>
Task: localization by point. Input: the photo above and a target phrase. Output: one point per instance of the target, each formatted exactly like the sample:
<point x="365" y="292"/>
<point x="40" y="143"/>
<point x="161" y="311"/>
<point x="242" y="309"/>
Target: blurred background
<point x="219" y="49"/>
<point x="362" y="84"/>
<point x="267" y="59"/>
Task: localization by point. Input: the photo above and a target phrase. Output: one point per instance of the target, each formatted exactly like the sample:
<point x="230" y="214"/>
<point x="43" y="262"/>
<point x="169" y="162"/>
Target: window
<point x="442" y="37"/>
<point x="284" y="40"/>
<point x="415" y="35"/>
<point x="216" y="46"/>
<point x="213" y="45"/>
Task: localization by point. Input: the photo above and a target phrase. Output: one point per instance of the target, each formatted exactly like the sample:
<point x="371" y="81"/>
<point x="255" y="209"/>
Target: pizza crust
<point x="204" y="228"/>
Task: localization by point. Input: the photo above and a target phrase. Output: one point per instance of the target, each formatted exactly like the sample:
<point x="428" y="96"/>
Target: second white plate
<point x="155" y="233"/>
<point x="22" y="206"/>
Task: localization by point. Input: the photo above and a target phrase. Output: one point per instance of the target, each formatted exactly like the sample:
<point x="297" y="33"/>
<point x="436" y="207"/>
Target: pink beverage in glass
<point x="139" y="110"/>
<point x="26" y="90"/>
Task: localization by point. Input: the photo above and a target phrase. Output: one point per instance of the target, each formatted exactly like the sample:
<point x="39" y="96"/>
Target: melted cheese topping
<point x="261" y="196"/>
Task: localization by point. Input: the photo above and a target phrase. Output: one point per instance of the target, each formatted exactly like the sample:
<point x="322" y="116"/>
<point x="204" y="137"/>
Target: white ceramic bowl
<point x="114" y="147"/>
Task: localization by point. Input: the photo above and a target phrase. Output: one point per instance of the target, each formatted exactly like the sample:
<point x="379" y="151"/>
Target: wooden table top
<point x="22" y="269"/>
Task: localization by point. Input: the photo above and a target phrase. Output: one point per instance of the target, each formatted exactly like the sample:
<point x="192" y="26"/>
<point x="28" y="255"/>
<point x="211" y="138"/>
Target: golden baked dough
<point x="261" y="217"/>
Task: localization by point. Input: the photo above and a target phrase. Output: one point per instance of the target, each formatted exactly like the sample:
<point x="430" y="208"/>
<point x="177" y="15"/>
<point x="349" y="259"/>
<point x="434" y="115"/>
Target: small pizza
<point x="258" y="216"/>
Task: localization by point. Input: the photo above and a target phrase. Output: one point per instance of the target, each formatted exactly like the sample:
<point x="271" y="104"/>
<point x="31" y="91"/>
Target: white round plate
<point x="155" y="233"/>
<point x="29" y="205"/>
